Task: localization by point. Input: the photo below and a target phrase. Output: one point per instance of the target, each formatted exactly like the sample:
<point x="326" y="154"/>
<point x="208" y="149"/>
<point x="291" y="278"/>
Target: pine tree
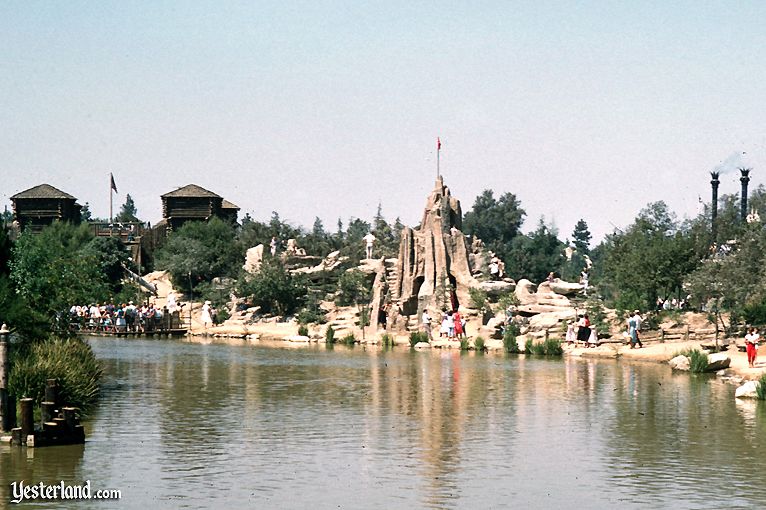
<point x="128" y="212"/>
<point x="581" y="236"/>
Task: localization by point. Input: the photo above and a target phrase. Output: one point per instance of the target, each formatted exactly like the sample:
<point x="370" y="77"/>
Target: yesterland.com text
<point x="22" y="491"/>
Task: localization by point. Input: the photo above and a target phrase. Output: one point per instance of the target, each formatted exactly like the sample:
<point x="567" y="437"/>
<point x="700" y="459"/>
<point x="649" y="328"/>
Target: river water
<point x="188" y="425"/>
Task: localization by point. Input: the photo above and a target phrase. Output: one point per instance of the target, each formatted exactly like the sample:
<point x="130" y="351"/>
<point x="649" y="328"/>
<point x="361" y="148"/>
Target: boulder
<point x="253" y="259"/>
<point x="298" y="339"/>
<point x="497" y="288"/>
<point x="549" y="320"/>
<point x="565" y="288"/>
<point x="524" y="292"/>
<point x="680" y="362"/>
<point x="717" y="361"/>
<point x="422" y="345"/>
<point x="747" y="390"/>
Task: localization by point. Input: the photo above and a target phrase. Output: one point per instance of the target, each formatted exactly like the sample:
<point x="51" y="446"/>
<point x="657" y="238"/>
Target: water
<point x="185" y="425"/>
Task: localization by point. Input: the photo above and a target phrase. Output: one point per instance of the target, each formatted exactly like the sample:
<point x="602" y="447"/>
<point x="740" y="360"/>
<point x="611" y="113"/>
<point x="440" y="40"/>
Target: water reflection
<point x="192" y="425"/>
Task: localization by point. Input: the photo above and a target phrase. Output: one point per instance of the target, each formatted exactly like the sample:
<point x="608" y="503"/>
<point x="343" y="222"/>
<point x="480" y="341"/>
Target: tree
<point x="383" y="233"/>
<point x="581" y="237"/>
<point x="353" y="245"/>
<point x="128" y="211"/>
<point x="496" y="222"/>
<point x="535" y="255"/>
<point x="51" y="270"/>
<point x="649" y="259"/>
<point x="204" y="249"/>
<point x="273" y="288"/>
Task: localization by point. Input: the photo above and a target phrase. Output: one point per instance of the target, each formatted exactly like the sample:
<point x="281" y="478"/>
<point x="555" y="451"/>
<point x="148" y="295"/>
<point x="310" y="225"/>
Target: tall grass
<point x="349" y="339"/>
<point x="70" y="361"/>
<point x="510" y="343"/>
<point x="698" y="361"/>
<point x="303" y="330"/>
<point x="549" y="347"/>
<point x="418" y="336"/>
<point x="330" y="335"/>
<point x="478" y="344"/>
<point x="760" y="388"/>
<point x="387" y="340"/>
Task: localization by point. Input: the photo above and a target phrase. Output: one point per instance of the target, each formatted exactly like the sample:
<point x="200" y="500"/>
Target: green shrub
<point x="755" y="313"/>
<point x="538" y="348"/>
<point x="529" y="346"/>
<point x="760" y="388"/>
<point x="330" y="335"/>
<point x="553" y="347"/>
<point x="479" y="344"/>
<point x="70" y="361"/>
<point x="698" y="361"/>
<point x="464" y="346"/>
<point x="387" y="340"/>
<point x="311" y="315"/>
<point x="349" y="339"/>
<point x="510" y="344"/>
<point x="303" y="330"/>
<point x="417" y="337"/>
<point x="478" y="297"/>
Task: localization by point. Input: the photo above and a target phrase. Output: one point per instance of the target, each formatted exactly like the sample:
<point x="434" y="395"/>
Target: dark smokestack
<point x="714" y="182"/>
<point x="745" y="179"/>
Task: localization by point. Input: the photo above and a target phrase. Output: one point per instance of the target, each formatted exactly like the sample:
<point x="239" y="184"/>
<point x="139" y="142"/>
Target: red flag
<point x="438" y="143"/>
<point x="114" y="186"/>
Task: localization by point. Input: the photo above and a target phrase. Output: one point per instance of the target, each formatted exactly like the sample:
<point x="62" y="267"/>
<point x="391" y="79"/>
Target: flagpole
<point x="111" y="180"/>
<point x="438" y="151"/>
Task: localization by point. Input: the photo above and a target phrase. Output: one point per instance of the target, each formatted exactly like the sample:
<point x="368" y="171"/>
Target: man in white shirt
<point x="369" y="239"/>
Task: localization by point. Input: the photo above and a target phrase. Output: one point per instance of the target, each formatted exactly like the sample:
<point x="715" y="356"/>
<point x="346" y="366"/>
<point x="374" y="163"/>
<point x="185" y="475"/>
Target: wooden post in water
<point x="27" y="418"/>
<point x="5" y="414"/>
<point x="52" y="391"/>
<point x="47" y="412"/>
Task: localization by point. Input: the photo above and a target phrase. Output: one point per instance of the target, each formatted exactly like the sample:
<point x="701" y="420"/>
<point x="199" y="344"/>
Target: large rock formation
<point x="433" y="268"/>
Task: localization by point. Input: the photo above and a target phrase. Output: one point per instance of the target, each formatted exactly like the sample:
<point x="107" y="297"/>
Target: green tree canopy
<point x="273" y="288"/>
<point x="535" y="255"/>
<point x="649" y="259"/>
<point x="496" y="222"/>
<point x="581" y="237"/>
<point x="128" y="212"/>
<point x="204" y="249"/>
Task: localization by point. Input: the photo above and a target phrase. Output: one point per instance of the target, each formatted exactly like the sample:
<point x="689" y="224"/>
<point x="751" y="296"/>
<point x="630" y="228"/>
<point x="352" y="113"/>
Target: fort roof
<point x="43" y="191"/>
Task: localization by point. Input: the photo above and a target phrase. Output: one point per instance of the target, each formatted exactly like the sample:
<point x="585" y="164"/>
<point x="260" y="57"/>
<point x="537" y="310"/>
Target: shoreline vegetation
<point x="477" y="265"/>
<point x="285" y="334"/>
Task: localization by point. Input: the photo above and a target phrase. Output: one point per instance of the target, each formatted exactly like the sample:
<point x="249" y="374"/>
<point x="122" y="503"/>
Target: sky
<point x="327" y="108"/>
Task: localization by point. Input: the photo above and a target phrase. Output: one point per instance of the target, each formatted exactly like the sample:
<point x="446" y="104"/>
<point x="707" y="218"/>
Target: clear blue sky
<point x="586" y="109"/>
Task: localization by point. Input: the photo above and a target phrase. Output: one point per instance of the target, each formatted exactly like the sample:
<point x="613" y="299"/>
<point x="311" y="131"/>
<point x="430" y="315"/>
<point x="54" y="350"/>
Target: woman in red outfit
<point x="751" y="343"/>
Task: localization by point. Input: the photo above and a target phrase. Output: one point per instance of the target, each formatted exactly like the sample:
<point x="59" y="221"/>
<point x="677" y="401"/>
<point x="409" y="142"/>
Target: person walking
<point x="751" y="343"/>
<point x="425" y="323"/>
<point x="637" y="318"/>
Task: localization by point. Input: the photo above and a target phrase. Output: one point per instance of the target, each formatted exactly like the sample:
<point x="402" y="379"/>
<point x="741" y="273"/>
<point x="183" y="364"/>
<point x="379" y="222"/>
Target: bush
<point x="311" y="315"/>
<point x="538" y="348"/>
<point x="303" y="330"/>
<point x="464" y="344"/>
<point x="478" y="297"/>
<point x="698" y="361"/>
<point x="755" y="313"/>
<point x="418" y="336"/>
<point x="70" y="361"/>
<point x="553" y="347"/>
<point x="273" y="288"/>
<point x="510" y="343"/>
<point x="760" y="388"/>
<point x="349" y="339"/>
<point x="529" y="346"/>
<point x="479" y="344"/>
<point x="387" y="340"/>
<point x="329" y="335"/>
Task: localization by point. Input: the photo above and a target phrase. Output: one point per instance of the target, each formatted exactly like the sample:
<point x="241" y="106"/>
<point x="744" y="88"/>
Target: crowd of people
<point x="452" y="325"/>
<point x="115" y="318"/>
